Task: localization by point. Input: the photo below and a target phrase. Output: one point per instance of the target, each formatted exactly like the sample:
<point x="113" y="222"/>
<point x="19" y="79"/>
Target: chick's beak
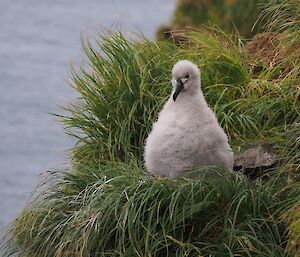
<point x="179" y="87"/>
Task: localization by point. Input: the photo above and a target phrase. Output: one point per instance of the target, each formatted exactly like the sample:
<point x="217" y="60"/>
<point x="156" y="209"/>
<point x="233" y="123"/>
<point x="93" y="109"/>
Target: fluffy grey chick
<point x="187" y="133"/>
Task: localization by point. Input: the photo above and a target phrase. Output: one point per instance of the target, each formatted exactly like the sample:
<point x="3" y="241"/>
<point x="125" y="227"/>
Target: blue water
<point x="38" y="41"/>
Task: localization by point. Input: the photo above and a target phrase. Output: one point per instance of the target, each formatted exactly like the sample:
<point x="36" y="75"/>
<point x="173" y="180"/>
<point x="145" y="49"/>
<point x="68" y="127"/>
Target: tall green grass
<point x="108" y="205"/>
<point x="134" y="215"/>
<point x="130" y="82"/>
<point x="283" y="23"/>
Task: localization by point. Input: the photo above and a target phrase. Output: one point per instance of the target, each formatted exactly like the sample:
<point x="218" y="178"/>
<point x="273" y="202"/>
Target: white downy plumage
<point x="187" y="133"/>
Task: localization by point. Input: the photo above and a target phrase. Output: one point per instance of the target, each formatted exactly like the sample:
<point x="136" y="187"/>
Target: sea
<point x="39" y="41"/>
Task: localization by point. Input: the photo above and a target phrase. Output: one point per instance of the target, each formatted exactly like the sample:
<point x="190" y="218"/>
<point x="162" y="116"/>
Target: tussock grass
<point x="108" y="205"/>
<point x="229" y="15"/>
<point x="130" y="82"/>
<point x="130" y="214"/>
<point x="120" y="97"/>
<point x="283" y="24"/>
<point x="282" y="16"/>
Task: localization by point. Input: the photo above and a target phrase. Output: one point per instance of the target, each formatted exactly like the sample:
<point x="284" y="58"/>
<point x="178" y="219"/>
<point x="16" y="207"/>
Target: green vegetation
<point x="107" y="205"/>
<point x="133" y="215"/>
<point x="229" y="15"/>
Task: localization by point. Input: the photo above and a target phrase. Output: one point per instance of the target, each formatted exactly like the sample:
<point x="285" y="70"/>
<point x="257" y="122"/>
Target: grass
<point x="248" y="106"/>
<point x="131" y="214"/>
<point x="107" y="204"/>
<point x="229" y="15"/>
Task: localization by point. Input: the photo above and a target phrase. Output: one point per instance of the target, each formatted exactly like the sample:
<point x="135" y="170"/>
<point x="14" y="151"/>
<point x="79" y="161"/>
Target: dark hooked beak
<point x="179" y="87"/>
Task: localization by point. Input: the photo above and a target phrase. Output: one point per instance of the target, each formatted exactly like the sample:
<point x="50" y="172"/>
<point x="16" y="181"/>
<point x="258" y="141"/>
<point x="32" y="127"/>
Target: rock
<point x="261" y="155"/>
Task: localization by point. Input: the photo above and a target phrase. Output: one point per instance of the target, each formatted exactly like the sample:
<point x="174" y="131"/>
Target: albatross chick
<point x="187" y="134"/>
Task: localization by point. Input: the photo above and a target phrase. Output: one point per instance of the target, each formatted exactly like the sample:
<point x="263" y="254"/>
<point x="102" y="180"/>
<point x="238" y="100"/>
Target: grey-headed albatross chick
<point x="187" y="133"/>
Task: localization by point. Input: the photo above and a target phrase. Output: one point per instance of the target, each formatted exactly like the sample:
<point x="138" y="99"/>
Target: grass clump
<point x="135" y="215"/>
<point x="120" y="97"/>
<point x="108" y="205"/>
<point x="229" y="15"/>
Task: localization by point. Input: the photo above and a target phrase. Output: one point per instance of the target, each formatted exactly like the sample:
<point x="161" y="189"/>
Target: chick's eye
<point x="187" y="76"/>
